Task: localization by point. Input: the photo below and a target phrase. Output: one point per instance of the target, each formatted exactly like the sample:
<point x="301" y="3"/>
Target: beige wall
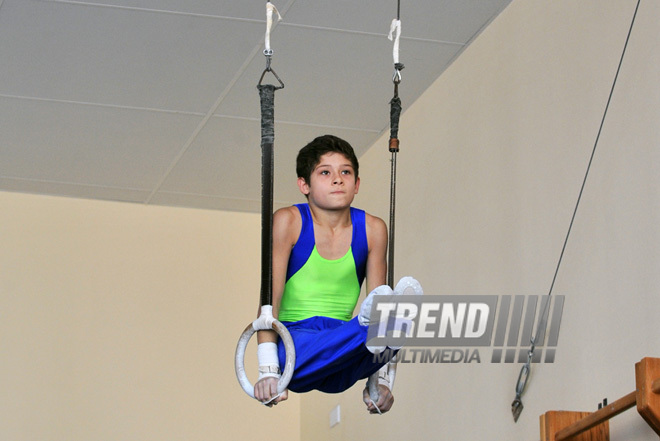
<point x="119" y="322"/>
<point x="491" y="163"/>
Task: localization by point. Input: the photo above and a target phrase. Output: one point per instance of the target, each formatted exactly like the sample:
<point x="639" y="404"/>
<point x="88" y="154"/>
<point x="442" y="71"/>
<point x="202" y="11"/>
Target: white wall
<point x="492" y="159"/>
<point x="120" y="321"/>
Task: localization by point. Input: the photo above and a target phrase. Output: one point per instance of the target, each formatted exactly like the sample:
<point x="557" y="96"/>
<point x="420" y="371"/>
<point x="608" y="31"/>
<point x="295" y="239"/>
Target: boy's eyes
<point x="343" y="172"/>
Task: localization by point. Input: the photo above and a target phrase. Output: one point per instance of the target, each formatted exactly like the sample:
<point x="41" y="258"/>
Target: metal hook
<point x="269" y="53"/>
<point x="396" y="78"/>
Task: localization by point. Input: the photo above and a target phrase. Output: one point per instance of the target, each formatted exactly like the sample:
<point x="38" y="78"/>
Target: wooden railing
<point x="594" y="426"/>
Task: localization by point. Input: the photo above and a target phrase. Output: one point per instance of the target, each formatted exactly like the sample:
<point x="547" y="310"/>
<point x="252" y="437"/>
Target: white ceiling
<point x="155" y="101"/>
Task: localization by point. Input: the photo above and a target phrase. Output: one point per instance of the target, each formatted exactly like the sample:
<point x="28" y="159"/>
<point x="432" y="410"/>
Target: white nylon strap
<point x="269" y="24"/>
<point x="395" y="34"/>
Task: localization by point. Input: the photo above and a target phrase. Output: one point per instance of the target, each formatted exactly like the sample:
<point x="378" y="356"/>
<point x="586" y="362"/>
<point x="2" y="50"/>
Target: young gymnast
<point x="322" y="252"/>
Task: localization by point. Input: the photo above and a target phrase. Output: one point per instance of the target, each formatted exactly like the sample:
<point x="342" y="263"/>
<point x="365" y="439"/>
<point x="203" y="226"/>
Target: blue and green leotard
<point x="316" y="307"/>
<point x="320" y="287"/>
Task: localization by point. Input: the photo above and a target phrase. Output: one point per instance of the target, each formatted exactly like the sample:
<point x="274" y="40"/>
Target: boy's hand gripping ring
<point x="266" y="321"/>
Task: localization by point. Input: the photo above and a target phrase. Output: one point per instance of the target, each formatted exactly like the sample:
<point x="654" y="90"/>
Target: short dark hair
<point x="310" y="155"/>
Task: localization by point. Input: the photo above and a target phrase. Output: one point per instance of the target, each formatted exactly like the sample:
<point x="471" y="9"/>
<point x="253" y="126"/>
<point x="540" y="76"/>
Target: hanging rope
<point x="395" y="113"/>
<point x="267" y="100"/>
<point x="517" y="404"/>
<point x="267" y="97"/>
<point x="266" y="321"/>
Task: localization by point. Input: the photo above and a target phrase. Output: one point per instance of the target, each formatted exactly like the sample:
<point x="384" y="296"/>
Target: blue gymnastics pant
<point x="331" y="354"/>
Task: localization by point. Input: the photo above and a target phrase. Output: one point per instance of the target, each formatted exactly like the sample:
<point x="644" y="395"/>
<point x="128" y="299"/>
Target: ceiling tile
<point x="89" y="145"/>
<point x="119" y="57"/>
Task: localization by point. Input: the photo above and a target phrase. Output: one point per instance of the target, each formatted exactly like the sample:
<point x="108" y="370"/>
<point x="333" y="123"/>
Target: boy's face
<point x="333" y="184"/>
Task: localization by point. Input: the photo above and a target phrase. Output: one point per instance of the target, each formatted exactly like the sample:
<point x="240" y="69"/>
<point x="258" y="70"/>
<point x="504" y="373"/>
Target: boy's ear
<point x="303" y="186"/>
<point x="357" y="185"/>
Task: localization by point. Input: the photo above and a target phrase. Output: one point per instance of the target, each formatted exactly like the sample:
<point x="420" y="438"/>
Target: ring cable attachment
<point x="268" y="51"/>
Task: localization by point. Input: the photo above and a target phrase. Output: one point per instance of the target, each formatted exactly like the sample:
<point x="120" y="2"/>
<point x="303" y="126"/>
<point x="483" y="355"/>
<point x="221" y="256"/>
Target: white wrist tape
<point x="269" y="363"/>
<point x="265" y="319"/>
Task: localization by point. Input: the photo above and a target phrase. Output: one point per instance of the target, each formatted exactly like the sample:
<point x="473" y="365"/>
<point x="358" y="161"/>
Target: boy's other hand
<point x="384" y="403"/>
<point x="266" y="391"/>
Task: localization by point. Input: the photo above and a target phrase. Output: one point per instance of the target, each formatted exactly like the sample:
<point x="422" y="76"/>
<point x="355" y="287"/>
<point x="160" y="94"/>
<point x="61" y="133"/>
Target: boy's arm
<point x="286" y="226"/>
<point x="376" y="259"/>
<point x="376" y="276"/>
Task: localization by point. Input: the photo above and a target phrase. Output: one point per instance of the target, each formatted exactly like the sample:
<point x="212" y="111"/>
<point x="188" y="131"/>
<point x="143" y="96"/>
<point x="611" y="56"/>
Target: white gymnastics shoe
<point x="408" y="283"/>
<point x="406" y="286"/>
<point x="402" y="319"/>
<point x="364" y="318"/>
